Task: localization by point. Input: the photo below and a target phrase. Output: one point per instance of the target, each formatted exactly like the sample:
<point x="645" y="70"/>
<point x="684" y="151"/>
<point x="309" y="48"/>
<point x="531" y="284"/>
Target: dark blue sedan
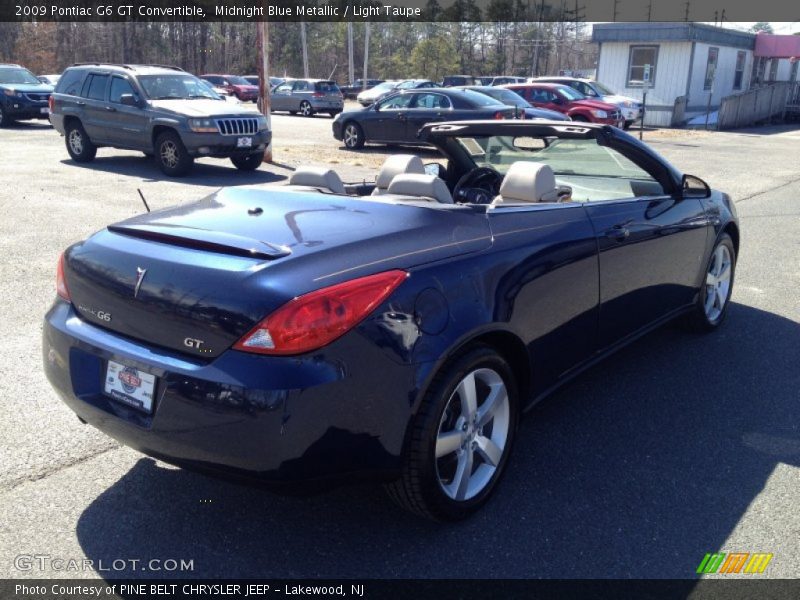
<point x="392" y="332"/>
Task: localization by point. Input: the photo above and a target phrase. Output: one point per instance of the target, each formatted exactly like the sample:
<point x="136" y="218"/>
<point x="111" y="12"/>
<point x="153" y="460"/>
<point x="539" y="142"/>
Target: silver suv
<point x="307" y="96"/>
<point x="161" y="111"/>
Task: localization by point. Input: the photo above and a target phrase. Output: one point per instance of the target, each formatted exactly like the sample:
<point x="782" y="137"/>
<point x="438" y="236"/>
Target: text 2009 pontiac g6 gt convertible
<point x="392" y="332"/>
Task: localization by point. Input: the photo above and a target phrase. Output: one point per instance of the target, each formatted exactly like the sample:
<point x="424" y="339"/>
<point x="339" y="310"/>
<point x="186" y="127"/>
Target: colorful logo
<point x="129" y="377"/>
<point x="735" y="562"/>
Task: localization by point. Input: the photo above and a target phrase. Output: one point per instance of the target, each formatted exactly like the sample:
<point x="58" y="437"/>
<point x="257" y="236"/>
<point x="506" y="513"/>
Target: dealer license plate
<point x="130" y="386"/>
<point x="244" y="142"/>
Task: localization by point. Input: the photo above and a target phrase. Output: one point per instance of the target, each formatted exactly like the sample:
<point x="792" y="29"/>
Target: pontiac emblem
<point x="140" y="272"/>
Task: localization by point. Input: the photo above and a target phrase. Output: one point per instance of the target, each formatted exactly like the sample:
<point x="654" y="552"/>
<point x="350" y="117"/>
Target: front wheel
<point x="306" y="110"/>
<point x="172" y="156"/>
<point x="712" y="301"/>
<point x="353" y="136"/>
<point x="248" y="162"/>
<point x="79" y="146"/>
<point x="460" y="439"/>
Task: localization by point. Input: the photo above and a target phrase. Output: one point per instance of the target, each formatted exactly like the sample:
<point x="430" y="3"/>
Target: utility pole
<point x="262" y="49"/>
<point x="305" y="48"/>
<point x="686" y="14"/>
<point x="616" y="2"/>
<point x="366" y="49"/>
<point x="351" y="72"/>
<point x="649" y="11"/>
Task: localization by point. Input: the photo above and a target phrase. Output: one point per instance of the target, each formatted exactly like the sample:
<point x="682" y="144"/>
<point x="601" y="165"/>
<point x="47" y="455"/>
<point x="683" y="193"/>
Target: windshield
<point x="507" y="97"/>
<point x="17" y="75"/>
<point x="175" y="87"/>
<point x="479" y="99"/>
<point x="236" y="80"/>
<point x="603" y="89"/>
<point x="593" y="172"/>
<point x="571" y="93"/>
<point x="386" y="85"/>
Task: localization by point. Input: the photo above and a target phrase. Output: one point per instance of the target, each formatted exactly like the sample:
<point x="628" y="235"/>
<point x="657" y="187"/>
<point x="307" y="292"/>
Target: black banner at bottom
<point x="440" y="589"/>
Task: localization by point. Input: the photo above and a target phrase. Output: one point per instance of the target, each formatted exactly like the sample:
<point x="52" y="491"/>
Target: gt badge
<point x="140" y="272"/>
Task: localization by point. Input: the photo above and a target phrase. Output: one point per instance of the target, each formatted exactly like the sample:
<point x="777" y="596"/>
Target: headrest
<point x="527" y="181"/>
<point x="396" y="165"/>
<point x="420" y="186"/>
<point x="318" y="177"/>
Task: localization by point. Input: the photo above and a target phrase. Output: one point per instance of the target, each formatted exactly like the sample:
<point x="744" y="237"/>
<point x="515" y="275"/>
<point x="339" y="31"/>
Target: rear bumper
<point x="327" y="105"/>
<point x="267" y="419"/>
<point x="336" y="126"/>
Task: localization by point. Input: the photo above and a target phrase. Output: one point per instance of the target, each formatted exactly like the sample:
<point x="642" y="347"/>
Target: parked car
<point x="460" y="80"/>
<point x="398" y="117"/>
<point x="416" y="84"/>
<point x="630" y="107"/>
<point x="22" y="96"/>
<point x="221" y="92"/>
<point x="568" y="101"/>
<point x="307" y="97"/>
<point x="48" y="79"/>
<point x="234" y="84"/>
<point x="358" y="86"/>
<point x="501" y="79"/>
<point x="273" y="81"/>
<point x="161" y="111"/>
<point x="524" y="110"/>
<point x="372" y="95"/>
<point x="296" y="333"/>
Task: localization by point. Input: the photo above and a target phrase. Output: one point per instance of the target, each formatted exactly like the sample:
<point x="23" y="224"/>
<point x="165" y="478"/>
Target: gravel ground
<point x="676" y="446"/>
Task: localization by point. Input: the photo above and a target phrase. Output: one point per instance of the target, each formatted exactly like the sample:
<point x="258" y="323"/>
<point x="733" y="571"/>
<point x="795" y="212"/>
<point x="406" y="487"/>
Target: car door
<point x="130" y="129"/>
<point x="549" y="296"/>
<point x="280" y="96"/>
<point x="388" y="124"/>
<point x="93" y="107"/>
<point x="425" y="107"/>
<point x="301" y="90"/>
<point x="651" y="245"/>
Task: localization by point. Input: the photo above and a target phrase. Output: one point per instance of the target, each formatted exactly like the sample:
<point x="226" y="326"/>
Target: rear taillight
<point x="318" y="95"/>
<point x="51" y="102"/>
<point x="61" y="283"/>
<point x="314" y="320"/>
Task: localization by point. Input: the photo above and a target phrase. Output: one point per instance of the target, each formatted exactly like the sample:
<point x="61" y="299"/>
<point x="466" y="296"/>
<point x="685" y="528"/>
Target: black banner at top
<point x="400" y="10"/>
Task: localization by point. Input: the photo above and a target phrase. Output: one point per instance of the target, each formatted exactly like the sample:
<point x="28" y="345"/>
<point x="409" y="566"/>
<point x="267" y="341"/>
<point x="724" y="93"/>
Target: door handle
<point x="618" y="232"/>
<point x="401" y="116"/>
<point x="80" y="103"/>
<point x="111" y="109"/>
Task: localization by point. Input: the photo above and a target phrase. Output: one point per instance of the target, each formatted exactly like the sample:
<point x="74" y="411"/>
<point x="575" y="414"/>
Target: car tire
<point x="333" y="113"/>
<point x="292" y="112"/>
<point x="627" y="125"/>
<point x="452" y="463"/>
<point x="79" y="146"/>
<point x="171" y="155"/>
<point x="353" y="136"/>
<point x="5" y="120"/>
<point x="248" y="162"/>
<point x="714" y="297"/>
<point x="306" y="110"/>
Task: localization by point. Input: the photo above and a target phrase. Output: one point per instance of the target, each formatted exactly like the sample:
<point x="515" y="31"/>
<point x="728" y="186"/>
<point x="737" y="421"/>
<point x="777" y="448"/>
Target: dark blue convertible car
<point x="392" y="332"/>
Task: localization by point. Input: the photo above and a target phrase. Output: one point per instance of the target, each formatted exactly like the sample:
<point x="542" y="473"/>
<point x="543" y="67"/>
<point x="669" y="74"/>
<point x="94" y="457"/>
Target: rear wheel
<point x="172" y="156"/>
<point x="460" y="439"/>
<point x="306" y="110"/>
<point x="353" y="136"/>
<point x="713" y="299"/>
<point x="248" y="162"/>
<point x="4" y="119"/>
<point x="627" y="124"/>
<point x="79" y="146"/>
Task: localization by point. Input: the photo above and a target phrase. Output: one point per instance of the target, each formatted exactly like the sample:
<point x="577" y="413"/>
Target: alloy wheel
<point x="350" y="136"/>
<point x="718" y="283"/>
<point x="305" y="109"/>
<point x="76" y="141"/>
<point x="169" y="154"/>
<point x="473" y="434"/>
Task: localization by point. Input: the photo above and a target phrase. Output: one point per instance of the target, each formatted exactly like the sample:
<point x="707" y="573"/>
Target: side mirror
<point x="694" y="187"/>
<point x="128" y="100"/>
<point x="436" y="169"/>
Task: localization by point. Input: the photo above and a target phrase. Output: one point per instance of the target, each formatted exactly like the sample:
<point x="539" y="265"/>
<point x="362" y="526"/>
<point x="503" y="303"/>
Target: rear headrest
<point x="397" y="165"/>
<point x="529" y="182"/>
<point x="318" y="177"/>
<point x="421" y="186"/>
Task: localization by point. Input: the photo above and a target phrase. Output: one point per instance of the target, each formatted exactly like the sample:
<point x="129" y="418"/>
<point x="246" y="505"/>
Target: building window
<point x="739" y="73"/>
<point x="773" y="69"/>
<point x="640" y="57"/>
<point x="711" y="68"/>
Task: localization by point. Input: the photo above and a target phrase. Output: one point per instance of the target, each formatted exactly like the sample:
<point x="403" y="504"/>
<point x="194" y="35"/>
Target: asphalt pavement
<point x="677" y="446"/>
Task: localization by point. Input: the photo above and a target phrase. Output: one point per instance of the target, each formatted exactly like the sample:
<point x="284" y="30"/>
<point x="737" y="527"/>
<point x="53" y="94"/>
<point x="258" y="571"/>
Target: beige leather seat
<point x="530" y="182"/>
<point x="317" y="177"/>
<point x="396" y="165"/>
<point x="422" y="187"/>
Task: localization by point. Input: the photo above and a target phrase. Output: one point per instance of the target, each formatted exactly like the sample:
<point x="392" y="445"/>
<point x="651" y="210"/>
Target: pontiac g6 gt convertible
<point x="391" y="332"/>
